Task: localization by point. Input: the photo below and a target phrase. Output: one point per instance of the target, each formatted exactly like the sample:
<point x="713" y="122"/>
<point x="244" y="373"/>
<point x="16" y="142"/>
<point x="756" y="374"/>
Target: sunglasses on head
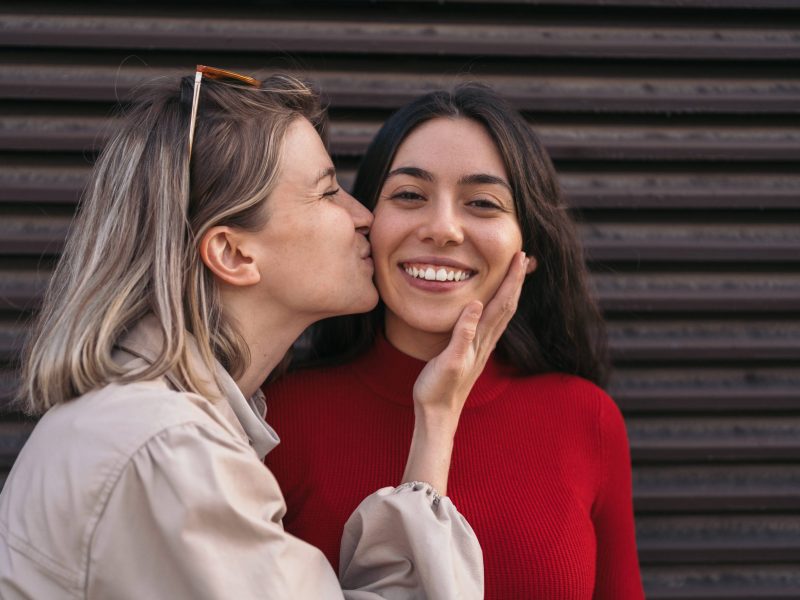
<point x="217" y="74"/>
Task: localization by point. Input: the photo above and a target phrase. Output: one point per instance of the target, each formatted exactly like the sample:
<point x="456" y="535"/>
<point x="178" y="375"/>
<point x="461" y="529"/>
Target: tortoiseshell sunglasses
<point x="213" y="73"/>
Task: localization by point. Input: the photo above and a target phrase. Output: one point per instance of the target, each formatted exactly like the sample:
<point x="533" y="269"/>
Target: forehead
<point x="451" y="145"/>
<point x="304" y="154"/>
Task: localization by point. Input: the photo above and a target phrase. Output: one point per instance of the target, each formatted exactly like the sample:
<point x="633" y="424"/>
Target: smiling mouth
<point x="436" y="272"/>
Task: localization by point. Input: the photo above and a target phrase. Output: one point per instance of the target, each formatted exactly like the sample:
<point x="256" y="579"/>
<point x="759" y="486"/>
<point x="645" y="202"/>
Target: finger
<point x="464" y="331"/>
<point x="503" y="305"/>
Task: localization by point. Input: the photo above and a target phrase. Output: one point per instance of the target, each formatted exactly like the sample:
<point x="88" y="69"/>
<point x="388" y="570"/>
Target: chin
<point x="438" y="324"/>
<point x="370" y="304"/>
<point x="364" y="303"/>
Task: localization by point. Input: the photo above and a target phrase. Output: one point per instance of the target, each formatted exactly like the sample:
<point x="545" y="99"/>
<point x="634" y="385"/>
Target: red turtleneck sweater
<point x="541" y="470"/>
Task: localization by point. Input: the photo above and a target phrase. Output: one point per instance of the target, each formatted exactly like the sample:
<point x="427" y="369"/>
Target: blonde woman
<point x="212" y="233"/>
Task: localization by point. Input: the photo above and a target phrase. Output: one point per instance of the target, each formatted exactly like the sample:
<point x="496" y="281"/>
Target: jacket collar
<point x="145" y="339"/>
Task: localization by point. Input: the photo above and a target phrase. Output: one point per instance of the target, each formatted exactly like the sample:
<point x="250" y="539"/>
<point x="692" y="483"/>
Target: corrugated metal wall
<point x="675" y="128"/>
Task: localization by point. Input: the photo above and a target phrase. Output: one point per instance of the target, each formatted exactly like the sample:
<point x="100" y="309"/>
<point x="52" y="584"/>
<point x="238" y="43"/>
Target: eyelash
<point x="483" y="203"/>
<point x="407" y="196"/>
<point x="332" y="193"/>
<point x="479" y="203"/>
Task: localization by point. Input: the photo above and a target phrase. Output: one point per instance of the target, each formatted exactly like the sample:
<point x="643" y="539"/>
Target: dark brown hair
<point x="557" y="326"/>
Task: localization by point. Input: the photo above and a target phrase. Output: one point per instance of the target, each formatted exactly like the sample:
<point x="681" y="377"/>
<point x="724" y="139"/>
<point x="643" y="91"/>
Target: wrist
<point x="435" y="422"/>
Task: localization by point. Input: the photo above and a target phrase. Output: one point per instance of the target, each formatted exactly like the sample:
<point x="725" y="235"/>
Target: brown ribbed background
<point x="675" y="127"/>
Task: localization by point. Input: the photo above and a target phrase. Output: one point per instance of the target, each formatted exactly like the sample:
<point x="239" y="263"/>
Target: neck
<point x="423" y="345"/>
<point x="268" y="331"/>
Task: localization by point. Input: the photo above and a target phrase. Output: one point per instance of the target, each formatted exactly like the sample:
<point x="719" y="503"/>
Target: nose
<point x="362" y="217"/>
<point x="441" y="225"/>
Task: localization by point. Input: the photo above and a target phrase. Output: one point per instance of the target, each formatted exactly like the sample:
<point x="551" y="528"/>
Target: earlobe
<point x="223" y="250"/>
<point x="532" y="264"/>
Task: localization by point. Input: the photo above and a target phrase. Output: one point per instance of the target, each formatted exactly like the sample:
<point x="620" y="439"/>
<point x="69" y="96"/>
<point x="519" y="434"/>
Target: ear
<point x="532" y="264"/>
<point x="224" y="251"/>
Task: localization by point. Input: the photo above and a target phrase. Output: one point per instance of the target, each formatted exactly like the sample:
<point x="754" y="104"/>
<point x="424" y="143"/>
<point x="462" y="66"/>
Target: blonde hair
<point x="133" y="247"/>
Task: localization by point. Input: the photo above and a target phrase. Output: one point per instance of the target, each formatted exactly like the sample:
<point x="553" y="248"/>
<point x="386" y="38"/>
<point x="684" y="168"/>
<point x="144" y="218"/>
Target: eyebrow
<point x="413" y="172"/>
<point x="484" y="178"/>
<point x="472" y="179"/>
<point x="329" y="172"/>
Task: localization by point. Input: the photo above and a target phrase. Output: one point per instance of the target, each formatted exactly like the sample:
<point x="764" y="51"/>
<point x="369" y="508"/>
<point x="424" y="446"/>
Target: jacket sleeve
<point x="407" y="542"/>
<point x="195" y="514"/>
<point x="617" y="571"/>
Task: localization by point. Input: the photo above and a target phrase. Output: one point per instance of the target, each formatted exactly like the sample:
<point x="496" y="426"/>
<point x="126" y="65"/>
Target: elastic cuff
<point x="417" y="486"/>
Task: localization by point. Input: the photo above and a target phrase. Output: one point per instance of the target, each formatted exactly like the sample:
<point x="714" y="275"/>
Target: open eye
<point x="485" y="203"/>
<point x="407" y="195"/>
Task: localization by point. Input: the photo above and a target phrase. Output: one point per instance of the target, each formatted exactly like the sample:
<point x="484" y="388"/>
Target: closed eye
<point x="331" y="193"/>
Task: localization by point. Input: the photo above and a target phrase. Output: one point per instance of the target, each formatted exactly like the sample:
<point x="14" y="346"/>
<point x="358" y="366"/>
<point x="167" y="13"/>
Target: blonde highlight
<point x="133" y="247"/>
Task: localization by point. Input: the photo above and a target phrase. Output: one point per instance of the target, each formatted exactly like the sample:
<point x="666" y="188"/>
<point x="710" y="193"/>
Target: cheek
<point x="384" y="237"/>
<point x="386" y="240"/>
<point x="499" y="248"/>
<point x="500" y="244"/>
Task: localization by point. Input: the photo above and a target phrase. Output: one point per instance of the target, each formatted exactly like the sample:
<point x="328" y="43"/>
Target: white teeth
<point x="440" y="274"/>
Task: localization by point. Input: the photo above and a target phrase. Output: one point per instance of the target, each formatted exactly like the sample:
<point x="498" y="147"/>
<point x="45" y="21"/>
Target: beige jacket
<point x="144" y="491"/>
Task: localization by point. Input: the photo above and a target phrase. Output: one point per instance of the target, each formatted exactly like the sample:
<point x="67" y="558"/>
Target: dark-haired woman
<point x="458" y="184"/>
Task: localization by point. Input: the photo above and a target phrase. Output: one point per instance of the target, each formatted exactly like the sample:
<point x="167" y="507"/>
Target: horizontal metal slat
<point x="563" y="142"/>
<point x="26" y="234"/>
<point x="54" y="133"/>
<point x="22" y="289"/>
<point x="713" y="340"/>
<point x="659" y="242"/>
<point x="60" y="184"/>
<point x="716" y="438"/>
<point x="687" y="191"/>
<point x="663" y="142"/>
<point x="693" y="292"/>
<point x="708" y="390"/>
<point x="424" y="36"/>
<point x="722" y="582"/>
<point x="737" y="538"/>
<point x="378" y="89"/>
<point x="716" y="488"/>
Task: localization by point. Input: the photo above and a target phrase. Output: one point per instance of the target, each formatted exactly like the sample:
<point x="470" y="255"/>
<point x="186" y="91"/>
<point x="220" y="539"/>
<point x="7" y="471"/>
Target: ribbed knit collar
<point x="391" y="374"/>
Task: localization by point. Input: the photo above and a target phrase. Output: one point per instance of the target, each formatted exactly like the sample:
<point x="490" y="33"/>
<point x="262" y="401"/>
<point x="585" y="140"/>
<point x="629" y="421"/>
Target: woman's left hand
<point x="444" y="384"/>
